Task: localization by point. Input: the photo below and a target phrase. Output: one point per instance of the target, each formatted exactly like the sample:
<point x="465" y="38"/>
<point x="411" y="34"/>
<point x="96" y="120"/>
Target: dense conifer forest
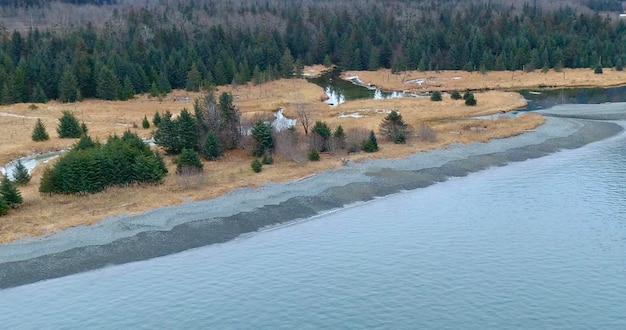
<point x="54" y="50"/>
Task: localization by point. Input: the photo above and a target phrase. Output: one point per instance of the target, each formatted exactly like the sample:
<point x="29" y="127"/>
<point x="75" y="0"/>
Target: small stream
<point x="30" y="161"/>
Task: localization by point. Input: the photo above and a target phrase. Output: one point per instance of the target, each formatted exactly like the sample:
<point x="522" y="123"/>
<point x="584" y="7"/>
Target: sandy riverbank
<point x="173" y="229"/>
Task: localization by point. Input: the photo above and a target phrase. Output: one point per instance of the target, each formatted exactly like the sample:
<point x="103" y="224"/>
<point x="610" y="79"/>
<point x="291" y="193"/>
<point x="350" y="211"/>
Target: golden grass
<point x="46" y="214"/>
<point x="463" y="80"/>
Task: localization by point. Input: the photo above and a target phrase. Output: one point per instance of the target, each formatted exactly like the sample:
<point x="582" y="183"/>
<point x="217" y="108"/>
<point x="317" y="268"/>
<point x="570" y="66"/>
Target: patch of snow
<point x="350" y="115"/>
<point x="418" y="81"/>
<point x="281" y="122"/>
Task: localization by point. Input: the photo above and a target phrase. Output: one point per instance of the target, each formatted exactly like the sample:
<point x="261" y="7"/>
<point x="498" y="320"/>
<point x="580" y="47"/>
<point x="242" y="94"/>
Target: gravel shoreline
<point x="168" y="230"/>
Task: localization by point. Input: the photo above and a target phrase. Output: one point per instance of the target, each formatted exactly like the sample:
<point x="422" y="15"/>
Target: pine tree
<point x="212" y="149"/>
<point x="370" y="145"/>
<point x="436" y="96"/>
<point x="10" y="194"/>
<point x="262" y="134"/>
<point x="68" y="87"/>
<point x="256" y="166"/>
<point x="145" y="123"/>
<point x="393" y="128"/>
<point x="470" y="100"/>
<point x="156" y="120"/>
<point x="4" y="207"/>
<point x="39" y="132"/>
<point x="69" y="126"/>
<point x="20" y="174"/>
<point x="128" y="90"/>
<point x="188" y="162"/>
<point x="193" y="79"/>
<point x="107" y="84"/>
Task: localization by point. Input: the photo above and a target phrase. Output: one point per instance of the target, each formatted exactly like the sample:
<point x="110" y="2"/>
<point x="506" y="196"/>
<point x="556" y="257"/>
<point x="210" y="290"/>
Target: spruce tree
<point x="128" y="90"/>
<point x="188" y="162"/>
<point x="156" y="120"/>
<point x="435" y="96"/>
<point x="262" y="134"/>
<point x="39" y="132"/>
<point x="212" y="149"/>
<point x="69" y="126"/>
<point x="68" y="87"/>
<point x="393" y="128"/>
<point x="370" y="145"/>
<point x="145" y="123"/>
<point x="4" y="207"/>
<point x="193" y="79"/>
<point x="20" y="174"/>
<point x="10" y="194"/>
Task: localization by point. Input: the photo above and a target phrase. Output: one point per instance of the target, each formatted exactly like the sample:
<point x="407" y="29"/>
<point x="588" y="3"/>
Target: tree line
<point x="194" y="45"/>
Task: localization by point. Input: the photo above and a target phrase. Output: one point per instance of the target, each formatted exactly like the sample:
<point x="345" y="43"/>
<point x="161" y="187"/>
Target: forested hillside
<point x="114" y="49"/>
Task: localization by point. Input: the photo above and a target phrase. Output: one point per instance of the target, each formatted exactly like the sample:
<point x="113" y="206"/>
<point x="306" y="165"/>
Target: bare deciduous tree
<point x="304" y="112"/>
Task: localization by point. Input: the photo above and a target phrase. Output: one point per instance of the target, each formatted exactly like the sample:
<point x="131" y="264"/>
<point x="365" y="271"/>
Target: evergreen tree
<point x="286" y="65"/>
<point x="39" y="95"/>
<point x="370" y="145"/>
<point x="193" y="79"/>
<point x="436" y="96"/>
<point x="4" y="207"/>
<point x="470" y="100"/>
<point x="128" y="90"/>
<point x="314" y="155"/>
<point x="188" y="162"/>
<point x="187" y="131"/>
<point x="456" y="95"/>
<point x="321" y="134"/>
<point x="6" y="93"/>
<point x="69" y="126"/>
<point x="212" y="148"/>
<point x="10" y="194"/>
<point x="156" y="120"/>
<point x="393" y="128"/>
<point x="145" y="123"/>
<point x="262" y="134"/>
<point x="256" y="166"/>
<point x="20" y="174"/>
<point x="68" y="86"/>
<point x="39" y="132"/>
<point x="107" y="84"/>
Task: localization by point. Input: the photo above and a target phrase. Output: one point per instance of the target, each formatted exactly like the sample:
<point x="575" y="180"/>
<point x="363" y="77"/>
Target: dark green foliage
<point x="435" y="96"/>
<point x="69" y="126"/>
<point x="121" y="161"/>
<point x="339" y="137"/>
<point x="467" y="94"/>
<point x="194" y="79"/>
<point x="178" y="134"/>
<point x="188" y="162"/>
<point x="156" y="120"/>
<point x="598" y="69"/>
<point x="39" y="132"/>
<point x="267" y="159"/>
<point x="393" y="128"/>
<point x="456" y="95"/>
<point x="127" y="91"/>
<point x="370" y="145"/>
<point x="321" y="133"/>
<point x="619" y="64"/>
<point x="264" y="141"/>
<point x="20" y="174"/>
<point x="314" y="155"/>
<point x="85" y="142"/>
<point x="145" y="123"/>
<point x="212" y="149"/>
<point x="470" y="100"/>
<point x="4" y="207"/>
<point x="256" y="165"/>
<point x="9" y="193"/>
<point x="83" y="128"/>
<point x="107" y="84"/>
<point x="68" y="87"/>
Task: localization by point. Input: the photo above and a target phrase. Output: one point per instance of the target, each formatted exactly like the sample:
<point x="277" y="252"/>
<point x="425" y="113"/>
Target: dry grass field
<point x="42" y="214"/>
<point x="418" y="81"/>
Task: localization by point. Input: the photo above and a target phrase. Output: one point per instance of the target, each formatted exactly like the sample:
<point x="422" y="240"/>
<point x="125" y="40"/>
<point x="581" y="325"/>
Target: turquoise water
<point x="539" y="244"/>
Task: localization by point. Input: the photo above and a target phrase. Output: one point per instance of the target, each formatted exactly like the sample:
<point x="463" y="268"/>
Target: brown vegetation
<point x="434" y="125"/>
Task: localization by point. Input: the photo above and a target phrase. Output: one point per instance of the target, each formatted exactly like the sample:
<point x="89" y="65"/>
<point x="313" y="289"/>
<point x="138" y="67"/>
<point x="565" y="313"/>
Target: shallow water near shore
<point x="535" y="244"/>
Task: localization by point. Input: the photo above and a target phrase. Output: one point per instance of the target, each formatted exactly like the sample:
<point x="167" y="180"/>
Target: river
<point x="539" y="244"/>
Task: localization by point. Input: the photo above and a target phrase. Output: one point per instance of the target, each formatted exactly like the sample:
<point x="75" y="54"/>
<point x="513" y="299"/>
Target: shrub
<point x="314" y="155"/>
<point x="188" y="161"/>
<point x="256" y="165"/>
<point x="20" y="174"/>
<point x="435" y="96"/>
<point x="425" y="133"/>
<point x="39" y="132"/>
<point x="267" y="159"/>
<point x="470" y="100"/>
<point x="355" y="138"/>
<point x="456" y="95"/>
